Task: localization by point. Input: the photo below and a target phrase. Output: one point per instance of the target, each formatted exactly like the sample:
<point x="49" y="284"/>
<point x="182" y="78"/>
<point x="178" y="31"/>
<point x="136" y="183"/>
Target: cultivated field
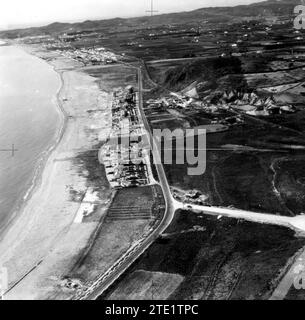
<point x="146" y="285"/>
<point x="223" y="259"/>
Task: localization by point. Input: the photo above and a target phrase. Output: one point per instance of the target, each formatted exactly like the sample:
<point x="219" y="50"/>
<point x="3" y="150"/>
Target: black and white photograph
<point x="152" y="150"/>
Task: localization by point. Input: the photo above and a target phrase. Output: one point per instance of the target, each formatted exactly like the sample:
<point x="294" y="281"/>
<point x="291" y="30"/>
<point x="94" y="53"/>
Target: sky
<point x="14" y="13"/>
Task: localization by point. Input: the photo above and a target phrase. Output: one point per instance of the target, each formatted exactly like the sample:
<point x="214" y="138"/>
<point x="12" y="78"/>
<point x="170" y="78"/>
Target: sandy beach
<point x="43" y="241"/>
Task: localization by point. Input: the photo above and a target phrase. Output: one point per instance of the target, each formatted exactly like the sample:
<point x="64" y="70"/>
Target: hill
<point x="210" y="74"/>
<point x="265" y="9"/>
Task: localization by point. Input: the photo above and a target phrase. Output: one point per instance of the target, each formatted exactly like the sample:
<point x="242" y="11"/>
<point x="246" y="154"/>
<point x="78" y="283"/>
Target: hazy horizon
<point x="26" y="13"/>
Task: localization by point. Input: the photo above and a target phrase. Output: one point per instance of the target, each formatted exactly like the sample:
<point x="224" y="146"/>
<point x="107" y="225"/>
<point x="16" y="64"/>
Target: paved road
<point x="108" y="278"/>
<point x="297" y="268"/>
<point x="296" y="223"/>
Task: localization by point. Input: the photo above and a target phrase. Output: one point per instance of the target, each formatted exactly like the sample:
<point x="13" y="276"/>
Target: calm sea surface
<point x="29" y="119"/>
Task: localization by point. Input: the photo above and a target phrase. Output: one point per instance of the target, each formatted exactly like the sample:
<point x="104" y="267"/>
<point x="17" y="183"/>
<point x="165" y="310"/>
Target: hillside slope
<point x="270" y="8"/>
<point x="210" y="74"/>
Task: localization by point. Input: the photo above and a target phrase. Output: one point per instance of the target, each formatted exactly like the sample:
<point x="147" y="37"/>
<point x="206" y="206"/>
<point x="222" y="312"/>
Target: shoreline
<point x="42" y="242"/>
<point x="45" y="155"/>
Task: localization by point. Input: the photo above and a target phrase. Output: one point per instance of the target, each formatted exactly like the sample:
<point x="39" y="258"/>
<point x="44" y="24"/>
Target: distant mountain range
<point x="270" y="8"/>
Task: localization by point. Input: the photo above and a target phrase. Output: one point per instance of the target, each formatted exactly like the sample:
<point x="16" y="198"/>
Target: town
<point x="126" y="153"/>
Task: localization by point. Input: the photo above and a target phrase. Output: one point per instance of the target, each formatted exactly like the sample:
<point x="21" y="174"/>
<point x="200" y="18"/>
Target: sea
<point x="30" y="123"/>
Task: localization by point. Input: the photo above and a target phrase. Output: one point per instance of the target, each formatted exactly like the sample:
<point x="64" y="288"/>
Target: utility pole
<point x="198" y="30"/>
<point x="152" y="11"/>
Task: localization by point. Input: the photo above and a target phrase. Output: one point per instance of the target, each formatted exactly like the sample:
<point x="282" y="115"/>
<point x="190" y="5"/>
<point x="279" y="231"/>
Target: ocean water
<point x="29" y="119"/>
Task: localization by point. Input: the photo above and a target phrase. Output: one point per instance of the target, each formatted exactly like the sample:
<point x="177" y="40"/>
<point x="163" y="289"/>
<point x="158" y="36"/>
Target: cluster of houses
<point x="171" y="102"/>
<point x="186" y="99"/>
<point x="126" y="154"/>
<point x="88" y="56"/>
<point x="57" y="46"/>
<point x="181" y="104"/>
<point x="191" y="196"/>
<point x="248" y="102"/>
<point x="91" y="56"/>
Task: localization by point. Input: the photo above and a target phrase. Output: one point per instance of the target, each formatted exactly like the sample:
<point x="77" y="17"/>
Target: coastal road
<point x="171" y="205"/>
